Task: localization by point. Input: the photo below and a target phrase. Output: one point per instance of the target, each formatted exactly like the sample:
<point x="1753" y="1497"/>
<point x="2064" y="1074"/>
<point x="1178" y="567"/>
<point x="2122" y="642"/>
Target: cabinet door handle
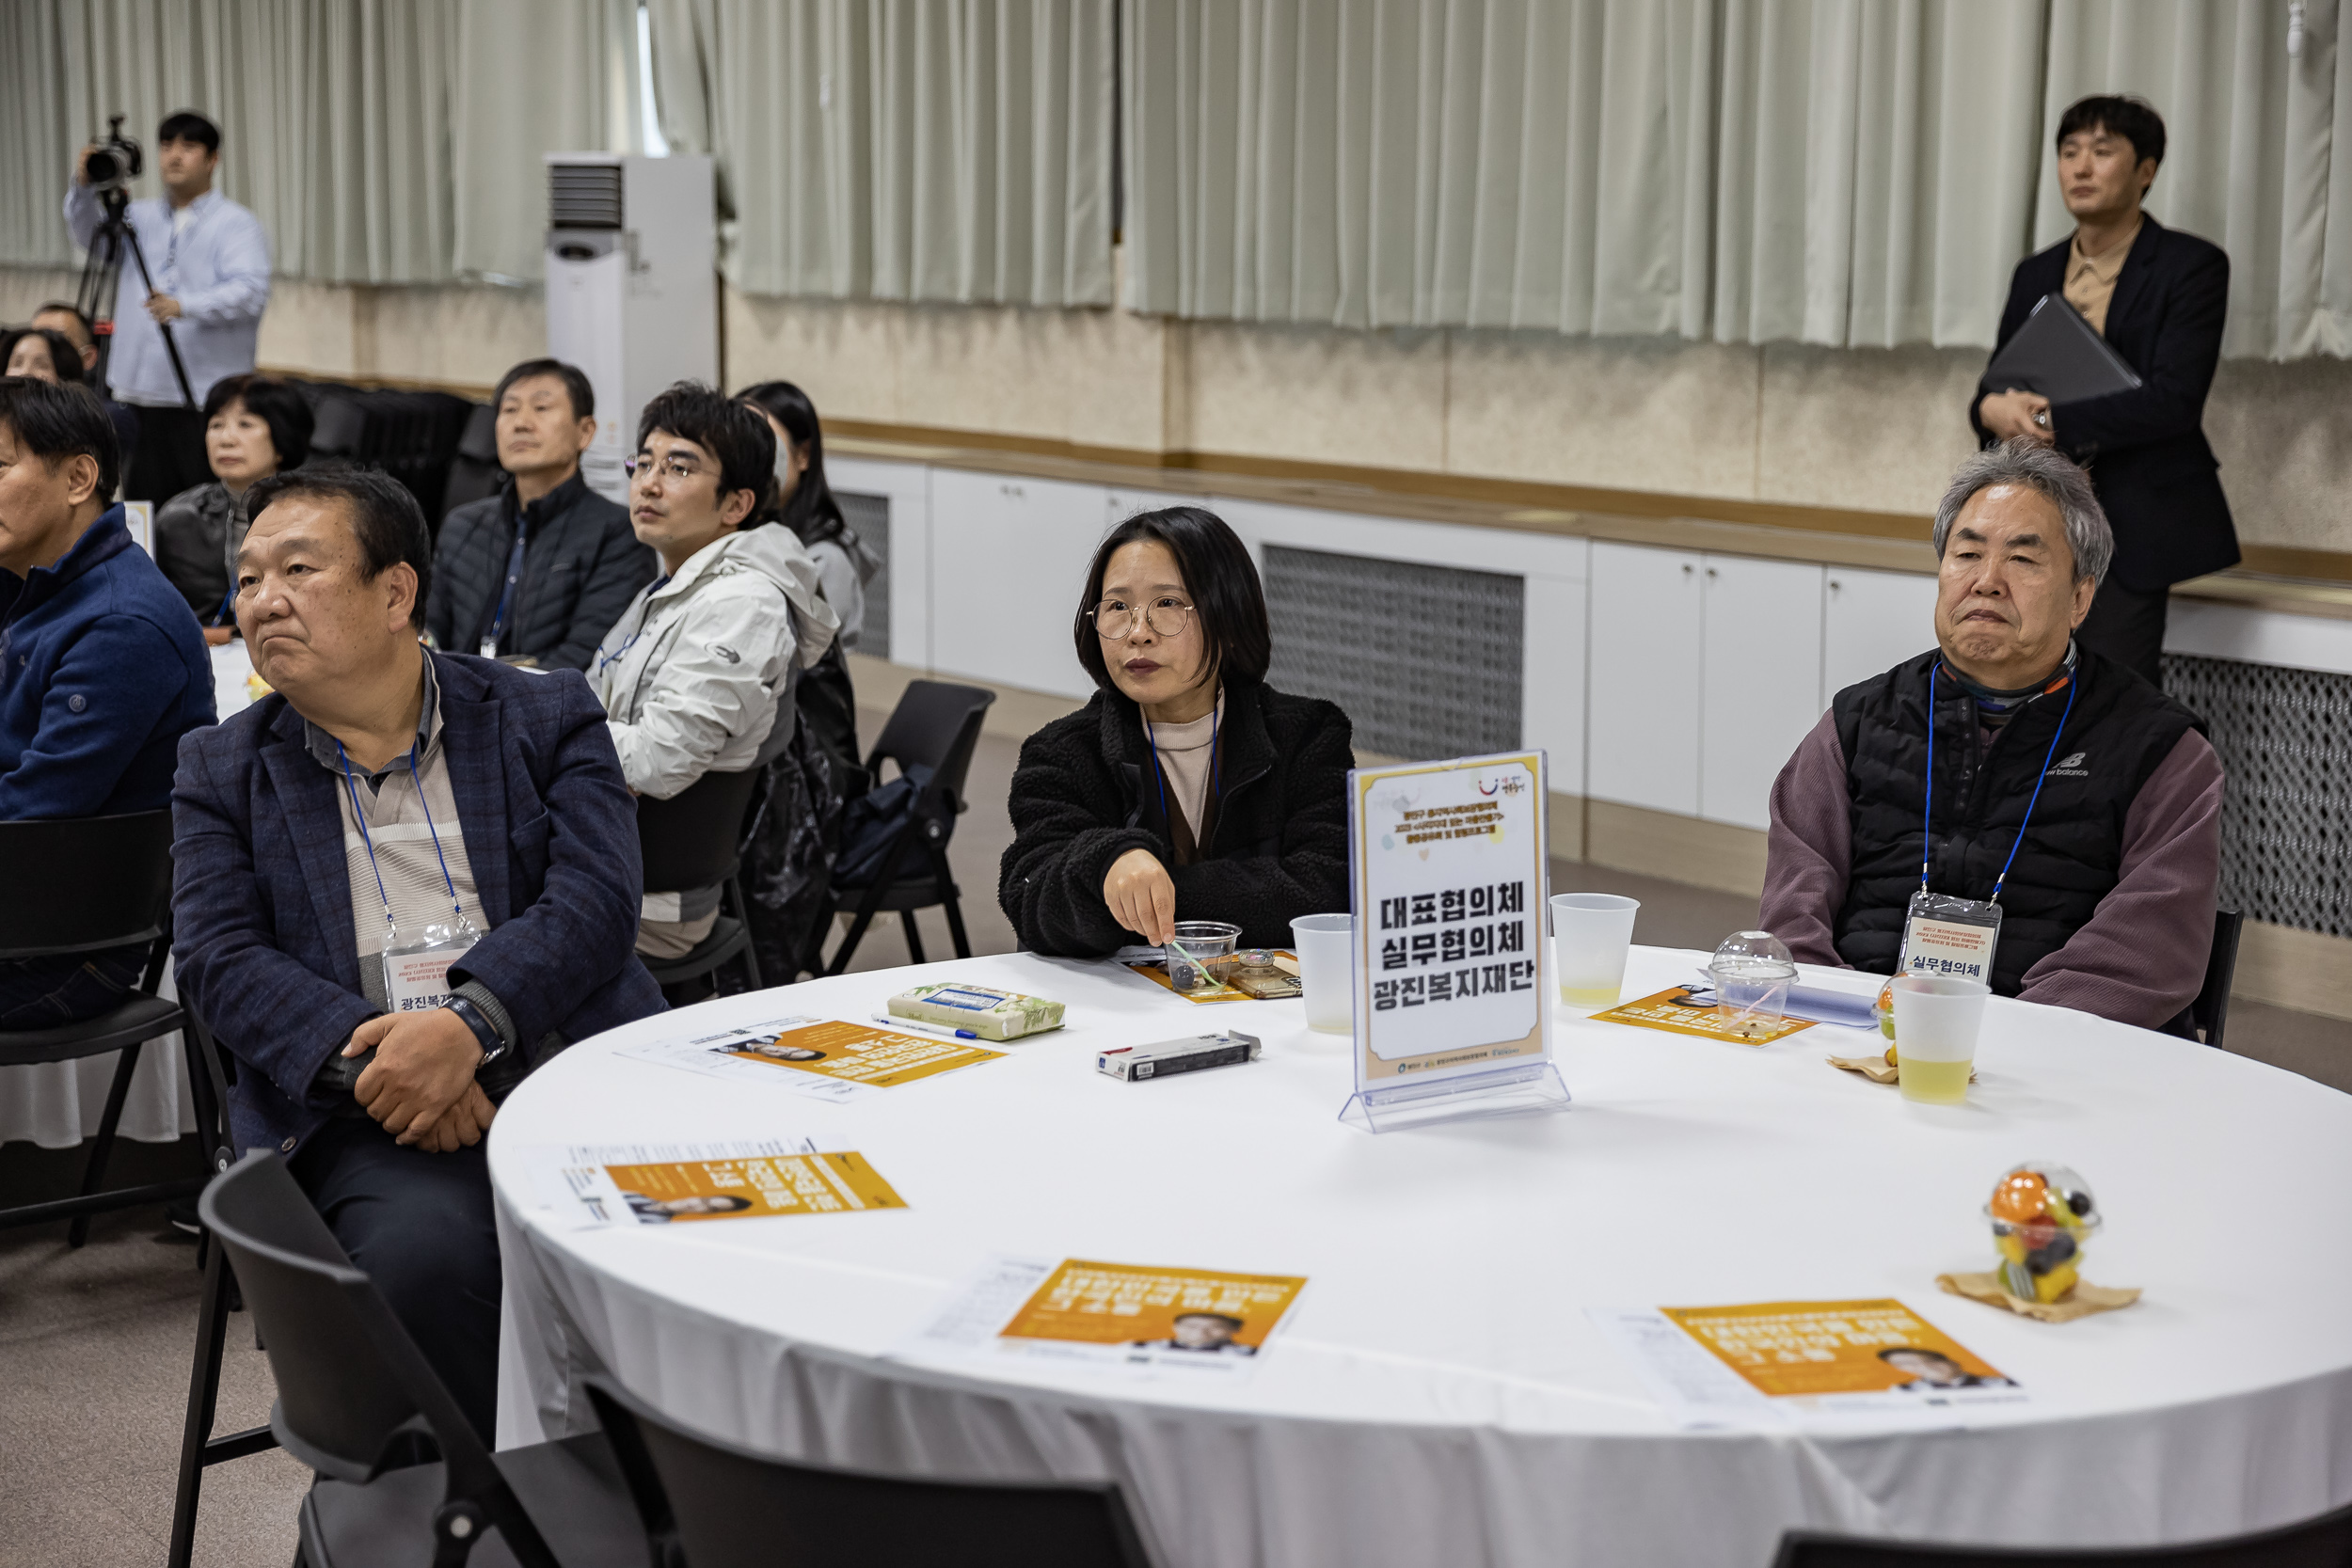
<point x="1686" y="568"/>
<point x="1834" y="585"/>
<point x="1710" y="571"/>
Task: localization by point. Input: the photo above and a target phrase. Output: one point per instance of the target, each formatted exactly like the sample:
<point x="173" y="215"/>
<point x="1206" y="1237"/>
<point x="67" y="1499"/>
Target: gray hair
<point x="2057" y="477"/>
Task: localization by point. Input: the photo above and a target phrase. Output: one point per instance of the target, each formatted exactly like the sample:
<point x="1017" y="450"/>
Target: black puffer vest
<point x="2120" y="731"/>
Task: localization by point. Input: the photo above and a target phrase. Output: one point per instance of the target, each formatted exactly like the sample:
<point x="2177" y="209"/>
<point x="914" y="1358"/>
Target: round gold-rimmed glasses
<point x="1115" y="620"/>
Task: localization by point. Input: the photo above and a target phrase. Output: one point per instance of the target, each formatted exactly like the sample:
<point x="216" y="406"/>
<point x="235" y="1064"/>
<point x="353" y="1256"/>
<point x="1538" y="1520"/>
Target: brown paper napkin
<point x="1874" y="1067"/>
<point x="2080" y="1302"/>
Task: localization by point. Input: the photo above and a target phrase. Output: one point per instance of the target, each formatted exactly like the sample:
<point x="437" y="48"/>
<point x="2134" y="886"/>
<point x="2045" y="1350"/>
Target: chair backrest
<point x="2210" y="1012"/>
<point x="935" y="725"/>
<point x="353" y="1389"/>
<point x="692" y="839"/>
<point x="80" y="884"/>
<point x="2322" y="1543"/>
<point x="729" y="1507"/>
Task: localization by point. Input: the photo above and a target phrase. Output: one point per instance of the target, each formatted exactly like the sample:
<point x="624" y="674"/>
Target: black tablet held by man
<point x="2157" y="298"/>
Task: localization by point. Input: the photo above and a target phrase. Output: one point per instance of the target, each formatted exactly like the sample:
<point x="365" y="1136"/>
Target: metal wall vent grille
<point x="2285" y="738"/>
<point x="583" y="196"/>
<point x="868" y="517"/>
<point x="1424" y="659"/>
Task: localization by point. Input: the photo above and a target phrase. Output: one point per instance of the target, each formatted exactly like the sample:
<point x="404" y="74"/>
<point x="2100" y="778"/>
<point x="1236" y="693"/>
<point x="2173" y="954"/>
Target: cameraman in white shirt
<point x="210" y="262"/>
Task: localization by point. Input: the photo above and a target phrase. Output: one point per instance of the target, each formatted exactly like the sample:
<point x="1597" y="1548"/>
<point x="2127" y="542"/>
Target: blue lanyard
<point x="391" y="925"/>
<point x="1927" y="841"/>
<point x="226" y="613"/>
<point x="645" y="608"/>
<point x="1159" y="770"/>
<point x="514" y="572"/>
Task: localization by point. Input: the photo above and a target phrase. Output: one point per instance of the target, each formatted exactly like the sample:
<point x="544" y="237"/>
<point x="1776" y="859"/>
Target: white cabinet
<point x="1643" y="713"/>
<point x="1008" y="559"/>
<point x="1872" y="622"/>
<point x="908" y="488"/>
<point x="1759" y="683"/>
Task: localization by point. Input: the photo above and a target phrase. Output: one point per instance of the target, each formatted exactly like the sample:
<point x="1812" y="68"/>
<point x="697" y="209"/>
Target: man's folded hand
<point x="423" y="1062"/>
<point x="461" y="1126"/>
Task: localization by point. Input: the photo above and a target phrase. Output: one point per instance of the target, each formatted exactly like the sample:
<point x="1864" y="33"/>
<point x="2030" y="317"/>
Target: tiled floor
<point x="94" y="1345"/>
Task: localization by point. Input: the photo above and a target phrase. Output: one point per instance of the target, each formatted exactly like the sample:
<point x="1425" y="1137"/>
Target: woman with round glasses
<point x="1188" y="789"/>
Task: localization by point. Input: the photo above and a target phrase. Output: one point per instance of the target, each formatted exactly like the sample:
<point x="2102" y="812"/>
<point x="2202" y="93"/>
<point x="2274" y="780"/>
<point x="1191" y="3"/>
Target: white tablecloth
<point x="1441" y="1396"/>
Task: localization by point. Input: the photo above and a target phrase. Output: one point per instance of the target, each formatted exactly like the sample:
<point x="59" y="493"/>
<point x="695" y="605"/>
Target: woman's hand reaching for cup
<point x="1142" y="896"/>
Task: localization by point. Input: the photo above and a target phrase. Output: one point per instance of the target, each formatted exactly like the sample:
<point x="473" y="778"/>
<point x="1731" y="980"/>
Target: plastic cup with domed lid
<point x="1753" y="972"/>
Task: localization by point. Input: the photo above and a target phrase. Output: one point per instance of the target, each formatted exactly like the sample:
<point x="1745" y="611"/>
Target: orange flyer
<point x="681" y="1191"/>
<point x="1674" y="1011"/>
<point x="1155" y="971"/>
<point x="1811" y="1348"/>
<point x="1181" y="1312"/>
<point x="861" y="1054"/>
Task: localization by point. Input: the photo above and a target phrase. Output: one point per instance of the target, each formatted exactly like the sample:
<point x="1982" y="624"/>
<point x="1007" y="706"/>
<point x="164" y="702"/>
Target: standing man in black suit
<point x="2159" y="297"/>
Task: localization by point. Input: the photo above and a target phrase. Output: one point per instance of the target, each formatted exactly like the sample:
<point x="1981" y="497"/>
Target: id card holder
<point x="1950" y="938"/>
<point x="416" y="979"/>
<point x="489" y="647"/>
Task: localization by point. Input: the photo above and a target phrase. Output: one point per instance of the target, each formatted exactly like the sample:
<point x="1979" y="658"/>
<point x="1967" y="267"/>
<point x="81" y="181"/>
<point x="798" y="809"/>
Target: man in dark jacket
<point x="417" y="868"/>
<point x="537" y="572"/>
<point x="102" y="667"/>
<point x="2159" y="296"/>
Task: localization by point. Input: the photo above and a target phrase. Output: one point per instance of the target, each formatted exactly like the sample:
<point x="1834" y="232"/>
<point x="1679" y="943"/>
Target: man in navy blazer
<point x="400" y="882"/>
<point x="2160" y="298"/>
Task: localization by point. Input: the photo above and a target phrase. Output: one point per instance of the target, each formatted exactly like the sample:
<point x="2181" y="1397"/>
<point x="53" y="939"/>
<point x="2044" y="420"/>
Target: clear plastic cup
<point x="1591" y="934"/>
<point x="1936" y="1023"/>
<point x="1200" y="954"/>
<point x="1327" y="970"/>
<point x="1753" y="972"/>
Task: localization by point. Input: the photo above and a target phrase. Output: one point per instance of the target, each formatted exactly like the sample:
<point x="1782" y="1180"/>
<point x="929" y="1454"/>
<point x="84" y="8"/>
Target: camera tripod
<point x="102" y="277"/>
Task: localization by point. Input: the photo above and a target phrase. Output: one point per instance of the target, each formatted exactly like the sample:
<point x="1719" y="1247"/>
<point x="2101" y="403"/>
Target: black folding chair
<point x="692" y="840"/>
<point x="2322" y="1543"/>
<point x="358" y="1402"/>
<point x="713" y="1505"/>
<point x="473" y="473"/>
<point x="935" y="725"/>
<point x="2210" y="1013"/>
<point x="84" y="885"/>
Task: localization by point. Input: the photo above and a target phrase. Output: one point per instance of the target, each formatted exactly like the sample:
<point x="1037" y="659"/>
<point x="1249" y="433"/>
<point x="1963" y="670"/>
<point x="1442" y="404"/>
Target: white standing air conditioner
<point x="632" y="297"/>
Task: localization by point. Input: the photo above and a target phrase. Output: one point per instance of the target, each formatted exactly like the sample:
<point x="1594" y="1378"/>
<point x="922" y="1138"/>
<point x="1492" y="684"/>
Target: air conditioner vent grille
<point x="584" y="195"/>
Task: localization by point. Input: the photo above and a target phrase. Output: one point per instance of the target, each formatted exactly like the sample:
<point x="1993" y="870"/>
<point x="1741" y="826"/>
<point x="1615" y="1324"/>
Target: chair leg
<point x="948" y="902"/>
<point x="914" y="936"/>
<point x="751" y="949"/>
<point x="211" y="1327"/>
<point x="94" y="1173"/>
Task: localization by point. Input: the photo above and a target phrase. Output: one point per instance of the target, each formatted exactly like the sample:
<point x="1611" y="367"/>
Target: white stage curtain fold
<point x="900" y="150"/>
<point x="378" y="143"/>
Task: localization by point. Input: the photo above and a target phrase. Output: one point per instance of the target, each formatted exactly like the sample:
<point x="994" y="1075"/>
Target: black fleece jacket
<point x="1080" y="802"/>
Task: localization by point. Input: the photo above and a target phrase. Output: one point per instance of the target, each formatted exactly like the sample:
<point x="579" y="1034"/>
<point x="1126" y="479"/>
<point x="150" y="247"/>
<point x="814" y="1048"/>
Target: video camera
<point x="114" y="162"/>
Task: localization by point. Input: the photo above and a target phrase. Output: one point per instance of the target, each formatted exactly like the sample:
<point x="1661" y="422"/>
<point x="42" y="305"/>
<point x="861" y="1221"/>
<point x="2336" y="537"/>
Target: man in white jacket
<point x="697" y="675"/>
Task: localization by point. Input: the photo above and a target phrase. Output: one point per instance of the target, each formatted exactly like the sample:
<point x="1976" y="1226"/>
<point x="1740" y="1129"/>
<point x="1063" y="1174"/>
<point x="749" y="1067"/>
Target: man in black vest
<point x="2159" y="297"/>
<point x="2082" y="800"/>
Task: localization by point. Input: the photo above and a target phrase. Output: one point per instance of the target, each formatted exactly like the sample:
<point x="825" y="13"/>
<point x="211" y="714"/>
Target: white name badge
<point x="489" y="647"/>
<point x="416" y="979"/>
<point x="1952" y="939"/>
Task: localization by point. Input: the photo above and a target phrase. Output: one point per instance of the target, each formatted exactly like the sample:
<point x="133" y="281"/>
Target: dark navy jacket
<point x="261" y="894"/>
<point x="105" y="670"/>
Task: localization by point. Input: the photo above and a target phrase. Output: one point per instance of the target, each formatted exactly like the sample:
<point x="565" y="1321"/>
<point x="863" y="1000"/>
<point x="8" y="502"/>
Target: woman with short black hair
<point x="1188" y="789"/>
<point x="254" y="426"/>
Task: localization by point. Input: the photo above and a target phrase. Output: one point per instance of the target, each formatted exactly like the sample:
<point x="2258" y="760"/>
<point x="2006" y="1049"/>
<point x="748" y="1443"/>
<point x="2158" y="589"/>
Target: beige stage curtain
<point x="1840" y="171"/>
<point x="952" y="151"/>
<point x="2250" y="163"/>
<point x="1418" y="163"/>
<point x="1873" y="183"/>
<point x="377" y="142"/>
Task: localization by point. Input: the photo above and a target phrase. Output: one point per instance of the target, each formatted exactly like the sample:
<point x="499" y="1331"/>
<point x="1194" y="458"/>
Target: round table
<point x="1440" y="1395"/>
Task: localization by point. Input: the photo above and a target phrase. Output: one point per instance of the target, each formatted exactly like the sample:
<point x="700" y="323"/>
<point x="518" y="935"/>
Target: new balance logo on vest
<point x="2070" y="766"/>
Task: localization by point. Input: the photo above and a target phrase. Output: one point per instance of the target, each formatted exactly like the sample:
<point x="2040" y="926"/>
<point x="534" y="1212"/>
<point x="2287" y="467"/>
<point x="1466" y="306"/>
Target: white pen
<point x="896" y="1023"/>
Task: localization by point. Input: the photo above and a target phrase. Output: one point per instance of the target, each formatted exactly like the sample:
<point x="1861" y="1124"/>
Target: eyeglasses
<point x="1115" y="619"/>
<point x="673" y="468"/>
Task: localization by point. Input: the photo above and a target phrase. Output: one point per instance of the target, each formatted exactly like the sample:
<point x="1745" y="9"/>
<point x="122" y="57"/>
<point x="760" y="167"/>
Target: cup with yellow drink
<point x="1592" y="933"/>
<point x="1936" y="1023"/>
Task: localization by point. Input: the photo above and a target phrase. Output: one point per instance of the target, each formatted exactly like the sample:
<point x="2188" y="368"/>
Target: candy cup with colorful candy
<point x="2042" y="1216"/>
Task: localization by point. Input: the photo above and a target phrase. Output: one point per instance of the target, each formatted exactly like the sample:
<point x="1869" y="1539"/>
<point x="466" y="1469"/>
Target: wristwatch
<point x="493" y="1044"/>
